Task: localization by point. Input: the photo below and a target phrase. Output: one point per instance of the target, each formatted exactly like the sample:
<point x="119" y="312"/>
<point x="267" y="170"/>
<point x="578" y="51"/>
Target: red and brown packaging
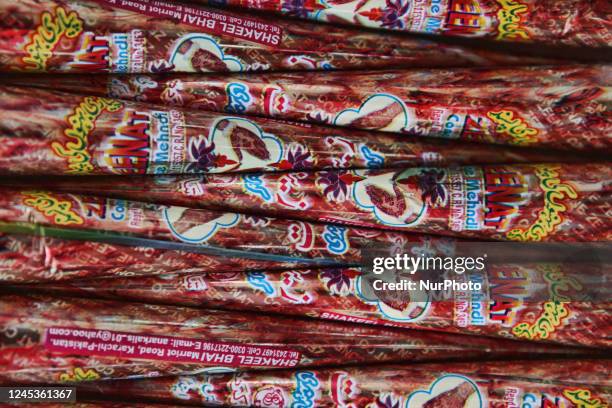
<point x="569" y="22"/>
<point x="47" y="132"/>
<point x="94" y="36"/>
<point x="47" y="339"/>
<point x="535" y="384"/>
<point x="268" y="93"/>
<point x="564" y="108"/>
<point x="117" y="221"/>
<point x="534" y="202"/>
<point x="30" y="258"/>
<point x="535" y="302"/>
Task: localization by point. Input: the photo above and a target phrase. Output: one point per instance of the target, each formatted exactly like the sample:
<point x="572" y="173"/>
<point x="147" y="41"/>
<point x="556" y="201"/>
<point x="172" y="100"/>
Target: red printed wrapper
<point x="516" y="300"/>
<point x="520" y="83"/>
<point x="74" y="216"/>
<point x="542" y="384"/>
<point x="48" y="132"/>
<point x="268" y="93"/>
<point x="38" y="258"/>
<point x="57" y="339"/>
<point x="159" y="36"/>
<point x="536" y="202"/>
<point x="571" y="22"/>
<point x="561" y="108"/>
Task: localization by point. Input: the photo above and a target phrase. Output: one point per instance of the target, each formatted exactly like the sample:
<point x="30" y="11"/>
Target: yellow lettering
<point x="509" y="17"/>
<point x="551" y="215"/>
<point x="81" y="123"/>
<point x="51" y="30"/>
<point x="79" y="374"/>
<point x="59" y="211"/>
<point x="516" y="128"/>
<point x="554" y="311"/>
<point x="582" y="398"/>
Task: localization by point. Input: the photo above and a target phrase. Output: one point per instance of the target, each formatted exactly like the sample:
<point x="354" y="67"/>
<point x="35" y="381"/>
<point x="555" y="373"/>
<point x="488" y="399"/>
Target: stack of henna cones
<point x="194" y="196"/>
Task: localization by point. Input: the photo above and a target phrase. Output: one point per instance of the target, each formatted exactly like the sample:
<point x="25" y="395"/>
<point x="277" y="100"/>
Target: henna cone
<point x="133" y="37"/>
<point x="89" y="218"/>
<point x="46" y="132"/>
<point x="38" y="259"/>
<point x="58" y="339"/>
<point x="492" y="384"/>
<point x="547" y="21"/>
<point x="539" y="202"/>
<point x="516" y="301"/>
<point x="280" y="94"/>
<point x="564" y="108"/>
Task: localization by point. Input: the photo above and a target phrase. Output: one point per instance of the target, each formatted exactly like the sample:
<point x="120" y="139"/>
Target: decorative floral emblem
<point x="433" y="191"/>
<point x="394" y="15"/>
<point x="338" y="281"/>
<point x="319" y="116"/>
<point x="300" y="8"/>
<point x="205" y="158"/>
<point x="335" y="184"/>
<point x="298" y="158"/>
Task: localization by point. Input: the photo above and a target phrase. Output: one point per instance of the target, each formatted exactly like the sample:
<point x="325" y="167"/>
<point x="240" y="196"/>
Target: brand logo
<point x="94" y="54"/>
<point x="374" y="160"/>
<point x="511" y="124"/>
<point x="57" y="210"/>
<point x="464" y="17"/>
<point x="195" y="283"/>
<point x="259" y="280"/>
<point x="239" y="98"/>
<point x="508" y="289"/>
<point x="505" y="192"/>
<point x="78" y="374"/>
<point x="128" y="150"/>
<point x="551" y="215"/>
<point x="47" y="36"/>
<point x="554" y="311"/>
<point x="336" y="239"/>
<point x="510" y="20"/>
<point x="306" y="389"/>
<point x="270" y="396"/>
<point x="254" y="184"/>
<point x="81" y="123"/>
<point x="582" y="398"/>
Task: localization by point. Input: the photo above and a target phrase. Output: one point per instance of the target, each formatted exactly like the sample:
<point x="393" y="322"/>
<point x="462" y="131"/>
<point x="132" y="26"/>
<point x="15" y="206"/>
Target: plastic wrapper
<point x="572" y="22"/>
<point x="535" y="202"/>
<point x="540" y="384"/>
<point x="90" y="218"/>
<point x="566" y="108"/>
<point x="209" y="92"/>
<point x="47" y="132"/>
<point x="66" y="340"/>
<point x="26" y="258"/>
<point x="517" y="300"/>
<point x="161" y="36"/>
